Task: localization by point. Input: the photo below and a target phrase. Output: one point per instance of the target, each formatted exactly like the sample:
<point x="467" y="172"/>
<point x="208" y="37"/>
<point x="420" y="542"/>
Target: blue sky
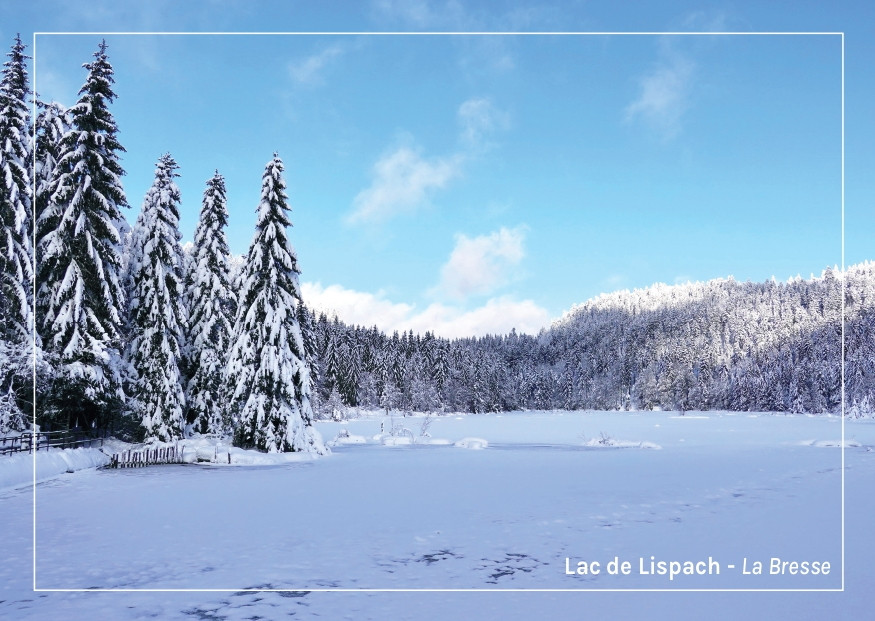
<point x="470" y="184"/>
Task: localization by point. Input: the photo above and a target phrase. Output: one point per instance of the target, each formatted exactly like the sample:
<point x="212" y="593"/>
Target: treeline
<point x="721" y="344"/>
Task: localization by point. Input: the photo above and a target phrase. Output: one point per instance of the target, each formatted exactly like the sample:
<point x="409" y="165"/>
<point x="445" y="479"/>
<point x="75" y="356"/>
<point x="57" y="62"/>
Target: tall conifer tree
<point x="268" y="358"/>
<point x="50" y="126"/>
<point x="16" y="256"/>
<point x="80" y="295"/>
<point x="16" y="214"/>
<point x="157" y="312"/>
<point x="211" y="314"/>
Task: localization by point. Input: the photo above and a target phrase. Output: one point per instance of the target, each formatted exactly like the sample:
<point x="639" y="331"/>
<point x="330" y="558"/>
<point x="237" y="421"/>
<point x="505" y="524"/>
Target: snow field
<point x="418" y="516"/>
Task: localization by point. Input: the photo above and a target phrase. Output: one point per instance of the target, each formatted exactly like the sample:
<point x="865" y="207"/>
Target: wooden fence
<point x="45" y="440"/>
<point x="136" y="457"/>
<point x="145" y="457"/>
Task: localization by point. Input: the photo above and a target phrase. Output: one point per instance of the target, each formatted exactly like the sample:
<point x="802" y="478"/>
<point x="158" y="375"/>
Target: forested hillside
<point x="721" y="344"/>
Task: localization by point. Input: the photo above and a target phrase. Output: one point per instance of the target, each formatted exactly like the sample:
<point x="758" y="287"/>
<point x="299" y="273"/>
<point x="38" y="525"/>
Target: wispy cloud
<point x="666" y="91"/>
<point x="481" y="265"/>
<point x="663" y="94"/>
<point x="455" y="15"/>
<point x="310" y="71"/>
<point x="403" y="180"/>
<point x="423" y="13"/>
<point x="497" y="315"/>
<point x="476" y="55"/>
<point x="479" y="118"/>
<point x="705" y="21"/>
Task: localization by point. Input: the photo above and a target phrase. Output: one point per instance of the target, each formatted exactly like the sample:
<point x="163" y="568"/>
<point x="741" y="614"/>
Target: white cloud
<point x="479" y="118"/>
<point x="355" y="307"/>
<point x="309" y="70"/>
<point x="664" y="95"/>
<point x="403" y="179"/>
<point x="482" y="264"/>
<point x="497" y="316"/>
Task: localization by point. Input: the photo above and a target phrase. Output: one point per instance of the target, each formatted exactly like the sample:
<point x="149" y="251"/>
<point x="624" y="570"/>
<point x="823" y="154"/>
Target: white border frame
<point x="468" y="34"/>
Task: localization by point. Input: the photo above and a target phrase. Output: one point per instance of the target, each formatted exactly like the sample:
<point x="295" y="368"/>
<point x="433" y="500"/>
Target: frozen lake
<point x="712" y="491"/>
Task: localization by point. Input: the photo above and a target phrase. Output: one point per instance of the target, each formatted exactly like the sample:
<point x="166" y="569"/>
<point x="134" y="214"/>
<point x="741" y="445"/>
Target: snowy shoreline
<point x="19" y="470"/>
<point x="376" y="429"/>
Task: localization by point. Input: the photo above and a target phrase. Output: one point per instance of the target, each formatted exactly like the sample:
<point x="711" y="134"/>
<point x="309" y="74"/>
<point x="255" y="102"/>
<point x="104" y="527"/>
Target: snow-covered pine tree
<point x="307" y="323"/>
<point x="268" y="358"/>
<point x="133" y="242"/>
<point x="211" y="315"/>
<point x="80" y="294"/>
<point x="16" y="215"/>
<point x="51" y="125"/>
<point x="330" y="363"/>
<point x="157" y="311"/>
<point x="16" y="256"/>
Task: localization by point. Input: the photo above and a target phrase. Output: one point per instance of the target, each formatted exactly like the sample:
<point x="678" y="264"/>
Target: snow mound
<point x="344" y="437"/>
<point x="433" y="441"/>
<point x="215" y="452"/>
<point x="204" y="453"/>
<point x="831" y="443"/>
<point x="241" y="457"/>
<point x="17" y="470"/>
<point x="614" y="443"/>
<point x="472" y="443"/>
<point x="396" y="440"/>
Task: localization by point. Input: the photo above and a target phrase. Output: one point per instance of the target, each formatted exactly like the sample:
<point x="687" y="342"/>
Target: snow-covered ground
<point x="545" y="492"/>
<point x="18" y="469"/>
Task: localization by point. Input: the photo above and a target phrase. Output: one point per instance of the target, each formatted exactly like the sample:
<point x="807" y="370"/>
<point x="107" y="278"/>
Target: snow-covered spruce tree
<point x="16" y="256"/>
<point x="157" y="312"/>
<point x="80" y="295"/>
<point x="311" y="349"/>
<point x="211" y="315"/>
<point x="268" y="358"/>
<point x="51" y="125"/>
<point x="16" y="215"/>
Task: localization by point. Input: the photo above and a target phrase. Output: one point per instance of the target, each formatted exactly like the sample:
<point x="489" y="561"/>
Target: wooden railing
<point x="145" y="457"/>
<point x="44" y="440"/>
